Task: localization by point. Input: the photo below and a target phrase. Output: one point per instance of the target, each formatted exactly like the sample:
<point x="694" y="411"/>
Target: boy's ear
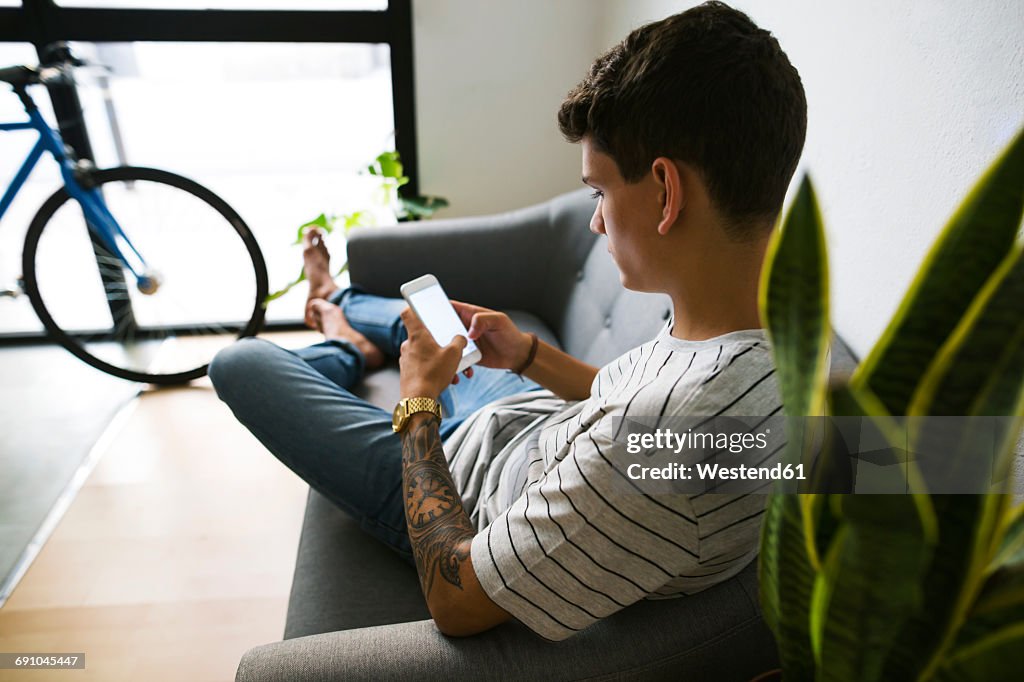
<point x="670" y="192"/>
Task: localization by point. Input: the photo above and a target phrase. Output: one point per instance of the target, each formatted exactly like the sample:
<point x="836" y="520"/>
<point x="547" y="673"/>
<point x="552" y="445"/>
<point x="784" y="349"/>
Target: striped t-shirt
<point x="560" y="543"/>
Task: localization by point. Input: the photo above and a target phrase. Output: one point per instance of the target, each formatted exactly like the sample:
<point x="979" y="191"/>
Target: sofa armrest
<point x="500" y="261"/>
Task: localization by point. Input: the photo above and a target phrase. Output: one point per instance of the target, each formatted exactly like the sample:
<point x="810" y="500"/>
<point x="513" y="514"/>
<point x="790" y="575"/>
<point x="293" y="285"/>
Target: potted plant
<point x="918" y="586"/>
<point x="387" y="168"/>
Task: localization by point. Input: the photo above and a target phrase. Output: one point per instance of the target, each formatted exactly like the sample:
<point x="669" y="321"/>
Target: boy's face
<point x="628" y="213"/>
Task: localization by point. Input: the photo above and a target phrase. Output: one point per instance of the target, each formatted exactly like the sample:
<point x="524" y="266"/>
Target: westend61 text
<point x="716" y="472"/>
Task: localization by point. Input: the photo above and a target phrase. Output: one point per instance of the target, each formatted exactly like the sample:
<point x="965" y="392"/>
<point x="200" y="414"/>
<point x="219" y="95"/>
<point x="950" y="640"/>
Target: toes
<point x="313" y="310"/>
<point x="313" y="237"/>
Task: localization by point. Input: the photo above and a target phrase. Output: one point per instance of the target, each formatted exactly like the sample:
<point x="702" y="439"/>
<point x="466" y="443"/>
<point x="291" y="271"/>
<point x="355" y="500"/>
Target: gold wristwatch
<point x="407" y="407"/>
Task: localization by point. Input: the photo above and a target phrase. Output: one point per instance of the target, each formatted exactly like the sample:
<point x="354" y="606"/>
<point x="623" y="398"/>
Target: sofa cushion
<point x="717" y="634"/>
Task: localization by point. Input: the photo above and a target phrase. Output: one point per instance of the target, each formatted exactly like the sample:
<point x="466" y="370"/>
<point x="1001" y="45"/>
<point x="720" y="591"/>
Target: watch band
<point x="413" y="405"/>
<point x="407" y="407"/>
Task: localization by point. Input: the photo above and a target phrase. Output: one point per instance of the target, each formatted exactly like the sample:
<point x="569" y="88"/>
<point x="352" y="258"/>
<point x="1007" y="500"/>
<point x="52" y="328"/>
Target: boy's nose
<point x="597" y="221"/>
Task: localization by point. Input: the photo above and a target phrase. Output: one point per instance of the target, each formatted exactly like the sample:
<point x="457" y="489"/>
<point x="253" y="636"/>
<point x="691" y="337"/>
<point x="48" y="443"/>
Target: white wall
<point x="908" y="103"/>
<point x="490" y="75"/>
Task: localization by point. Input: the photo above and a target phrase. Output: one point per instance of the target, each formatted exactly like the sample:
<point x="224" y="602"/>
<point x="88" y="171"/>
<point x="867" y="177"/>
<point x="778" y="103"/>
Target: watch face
<point x="396" y="416"/>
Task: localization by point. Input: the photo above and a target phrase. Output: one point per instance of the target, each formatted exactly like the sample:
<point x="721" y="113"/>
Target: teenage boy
<point x="690" y="129"/>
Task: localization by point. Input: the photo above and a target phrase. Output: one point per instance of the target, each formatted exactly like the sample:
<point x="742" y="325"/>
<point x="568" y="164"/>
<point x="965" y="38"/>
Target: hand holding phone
<point x="426" y="297"/>
<point x="502" y="344"/>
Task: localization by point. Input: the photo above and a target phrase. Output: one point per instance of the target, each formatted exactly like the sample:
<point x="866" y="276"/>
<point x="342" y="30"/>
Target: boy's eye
<point x="597" y="194"/>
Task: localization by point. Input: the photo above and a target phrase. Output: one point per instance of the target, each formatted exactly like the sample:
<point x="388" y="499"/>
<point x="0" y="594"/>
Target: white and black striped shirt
<point x="560" y="544"/>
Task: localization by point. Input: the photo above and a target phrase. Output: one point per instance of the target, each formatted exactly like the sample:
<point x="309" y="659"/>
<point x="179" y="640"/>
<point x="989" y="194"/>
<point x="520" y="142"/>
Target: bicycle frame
<point x="94" y="208"/>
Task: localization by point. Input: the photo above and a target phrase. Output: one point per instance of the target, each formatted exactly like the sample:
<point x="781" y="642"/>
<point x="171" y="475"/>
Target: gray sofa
<point x="356" y="611"/>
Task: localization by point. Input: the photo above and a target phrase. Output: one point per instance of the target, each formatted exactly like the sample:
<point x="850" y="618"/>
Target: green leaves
<point x="419" y="207"/>
<point x="904" y="586"/>
<point x="321" y="221"/>
<point x="872" y="576"/>
<point x="989" y="643"/>
<point x="787" y="582"/>
<point x="388" y="165"/>
<point x="328" y="224"/>
<point x="970" y="247"/>
<point x="794" y="304"/>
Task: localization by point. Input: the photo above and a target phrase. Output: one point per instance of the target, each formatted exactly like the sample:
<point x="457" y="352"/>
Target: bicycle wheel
<point x="211" y="274"/>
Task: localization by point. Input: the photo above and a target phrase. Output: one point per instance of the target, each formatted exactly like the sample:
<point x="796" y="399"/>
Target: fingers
<point x="485" y="322"/>
<point x="455" y="347"/>
<point x="466" y="310"/>
<point x="412" y="321"/>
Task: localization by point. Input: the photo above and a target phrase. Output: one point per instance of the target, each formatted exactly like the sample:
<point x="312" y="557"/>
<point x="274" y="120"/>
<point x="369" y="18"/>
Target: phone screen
<point x="437" y="313"/>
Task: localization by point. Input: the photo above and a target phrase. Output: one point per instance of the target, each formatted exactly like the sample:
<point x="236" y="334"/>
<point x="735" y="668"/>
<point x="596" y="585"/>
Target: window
<point x="258" y="107"/>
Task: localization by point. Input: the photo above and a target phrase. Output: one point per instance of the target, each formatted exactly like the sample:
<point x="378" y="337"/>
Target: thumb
<point x="458" y="343"/>
<point x="482" y="322"/>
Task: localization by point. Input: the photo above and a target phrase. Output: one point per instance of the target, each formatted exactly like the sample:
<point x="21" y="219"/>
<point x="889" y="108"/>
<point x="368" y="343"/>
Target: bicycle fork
<point x="105" y="227"/>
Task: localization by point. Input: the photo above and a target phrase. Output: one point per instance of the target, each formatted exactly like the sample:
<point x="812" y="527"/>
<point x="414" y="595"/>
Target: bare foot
<point x="330" y="320"/>
<point x="316" y="262"/>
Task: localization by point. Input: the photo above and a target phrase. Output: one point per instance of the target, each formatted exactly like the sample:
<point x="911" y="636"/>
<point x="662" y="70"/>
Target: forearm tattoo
<point x="437" y="522"/>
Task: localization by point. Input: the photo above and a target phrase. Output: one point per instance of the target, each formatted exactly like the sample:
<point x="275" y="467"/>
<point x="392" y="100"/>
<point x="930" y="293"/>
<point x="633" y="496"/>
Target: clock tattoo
<point x="439" y="528"/>
<point x="428" y="497"/>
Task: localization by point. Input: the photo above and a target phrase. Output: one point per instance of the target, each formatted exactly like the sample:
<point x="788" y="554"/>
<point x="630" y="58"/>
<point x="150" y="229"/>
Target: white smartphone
<point x="426" y="297"/>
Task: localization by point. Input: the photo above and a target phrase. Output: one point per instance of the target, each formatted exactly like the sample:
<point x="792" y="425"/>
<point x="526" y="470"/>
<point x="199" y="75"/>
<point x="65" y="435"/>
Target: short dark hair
<point x="706" y="87"/>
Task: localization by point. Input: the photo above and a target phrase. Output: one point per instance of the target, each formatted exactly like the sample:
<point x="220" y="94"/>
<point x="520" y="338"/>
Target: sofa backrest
<point x="594" y="316"/>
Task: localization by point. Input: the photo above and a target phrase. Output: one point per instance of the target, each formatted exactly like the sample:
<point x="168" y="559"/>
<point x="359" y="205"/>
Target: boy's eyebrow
<point x="585" y="179"/>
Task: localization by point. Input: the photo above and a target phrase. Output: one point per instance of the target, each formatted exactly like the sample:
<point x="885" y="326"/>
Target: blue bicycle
<point x="145" y="274"/>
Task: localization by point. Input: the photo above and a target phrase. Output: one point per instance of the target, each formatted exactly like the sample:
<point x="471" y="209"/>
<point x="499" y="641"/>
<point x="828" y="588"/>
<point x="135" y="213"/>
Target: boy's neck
<point x="714" y="290"/>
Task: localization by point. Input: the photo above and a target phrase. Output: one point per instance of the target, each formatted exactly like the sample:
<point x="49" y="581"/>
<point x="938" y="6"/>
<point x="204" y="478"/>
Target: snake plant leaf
<point x="980" y="368"/>
<point x="975" y="240"/>
<point x="1000" y="656"/>
<point x="787" y="583"/>
<point x="990" y="644"/>
<point x="875" y="553"/>
<point x="1011" y="550"/>
<point x="1000" y="604"/>
<point x="794" y="304"/>
<point x="956" y="570"/>
<point x="872" y="577"/>
<point x="979" y="371"/>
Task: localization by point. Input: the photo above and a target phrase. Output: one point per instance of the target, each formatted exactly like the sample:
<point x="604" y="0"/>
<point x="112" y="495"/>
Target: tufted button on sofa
<point x="356" y="611"/>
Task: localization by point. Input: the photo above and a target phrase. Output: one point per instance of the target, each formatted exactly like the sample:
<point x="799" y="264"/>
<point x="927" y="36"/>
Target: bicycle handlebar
<point x="56" y="68"/>
<point x="45" y="74"/>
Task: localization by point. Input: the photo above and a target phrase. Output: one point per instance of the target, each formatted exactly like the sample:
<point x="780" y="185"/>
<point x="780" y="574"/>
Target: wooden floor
<point x="175" y="557"/>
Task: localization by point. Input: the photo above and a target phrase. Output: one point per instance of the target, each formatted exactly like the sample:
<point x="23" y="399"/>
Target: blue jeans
<point x="298" y="404"/>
